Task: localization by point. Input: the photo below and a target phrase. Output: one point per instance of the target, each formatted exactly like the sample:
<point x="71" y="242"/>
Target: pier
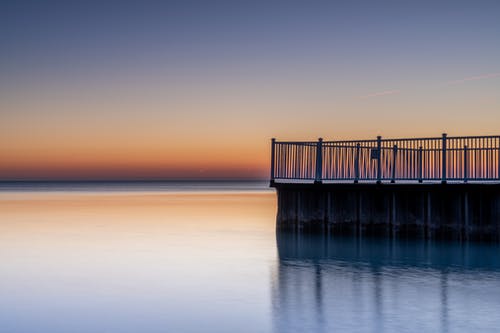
<point x="440" y="187"/>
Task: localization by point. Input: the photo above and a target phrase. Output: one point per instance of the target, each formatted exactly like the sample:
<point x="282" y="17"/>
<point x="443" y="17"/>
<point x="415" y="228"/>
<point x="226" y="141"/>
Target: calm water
<point x="182" y="257"/>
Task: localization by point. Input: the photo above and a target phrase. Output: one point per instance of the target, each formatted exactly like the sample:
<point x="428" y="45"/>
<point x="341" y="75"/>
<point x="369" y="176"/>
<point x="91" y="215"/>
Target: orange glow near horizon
<point x="138" y="163"/>
<point x="53" y="141"/>
<point x="95" y="129"/>
<point x="135" y="164"/>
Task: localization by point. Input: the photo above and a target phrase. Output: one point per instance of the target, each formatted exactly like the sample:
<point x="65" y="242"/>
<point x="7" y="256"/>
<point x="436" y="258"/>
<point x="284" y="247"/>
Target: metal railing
<point x="464" y="158"/>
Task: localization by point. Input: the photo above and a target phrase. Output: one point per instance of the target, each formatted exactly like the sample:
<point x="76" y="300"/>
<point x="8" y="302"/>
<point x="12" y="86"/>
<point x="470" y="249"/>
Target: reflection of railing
<point x="472" y="158"/>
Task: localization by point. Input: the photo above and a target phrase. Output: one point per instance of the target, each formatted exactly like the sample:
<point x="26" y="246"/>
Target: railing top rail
<point x="392" y="140"/>
<point x="305" y="143"/>
<point x="384" y="140"/>
<point x="474" y="137"/>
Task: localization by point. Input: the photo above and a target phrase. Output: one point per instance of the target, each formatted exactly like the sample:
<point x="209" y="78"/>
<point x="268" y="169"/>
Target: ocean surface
<point x="205" y="257"/>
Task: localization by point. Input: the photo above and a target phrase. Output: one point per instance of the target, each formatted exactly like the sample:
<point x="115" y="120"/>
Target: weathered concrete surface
<point x="453" y="211"/>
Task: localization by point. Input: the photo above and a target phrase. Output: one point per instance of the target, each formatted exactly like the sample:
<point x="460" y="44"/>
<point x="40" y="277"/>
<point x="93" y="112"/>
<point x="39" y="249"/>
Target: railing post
<point x="273" y="143"/>
<point x="443" y="160"/>
<point x="466" y="170"/>
<point x="379" y="160"/>
<point x="319" y="161"/>
<point x="394" y="155"/>
<point x="498" y="158"/>
<point x="356" y="163"/>
<point x="420" y="161"/>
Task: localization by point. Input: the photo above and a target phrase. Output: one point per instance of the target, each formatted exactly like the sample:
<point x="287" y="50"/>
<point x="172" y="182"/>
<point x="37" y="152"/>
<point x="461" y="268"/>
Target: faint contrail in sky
<point x="474" y="78"/>
<point x="471" y="78"/>
<point x="381" y="93"/>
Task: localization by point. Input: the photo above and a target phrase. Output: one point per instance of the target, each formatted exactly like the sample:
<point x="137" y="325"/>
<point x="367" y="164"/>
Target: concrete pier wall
<point x="451" y="211"/>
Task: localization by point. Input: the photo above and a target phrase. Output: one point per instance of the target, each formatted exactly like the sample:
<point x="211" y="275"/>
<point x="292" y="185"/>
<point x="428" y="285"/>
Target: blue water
<point x="375" y="285"/>
<point x="133" y="186"/>
<point x="187" y="257"/>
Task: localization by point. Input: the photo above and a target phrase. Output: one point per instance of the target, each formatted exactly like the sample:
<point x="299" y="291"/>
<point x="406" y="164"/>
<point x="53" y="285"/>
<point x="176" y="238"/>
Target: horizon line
<point x="119" y="180"/>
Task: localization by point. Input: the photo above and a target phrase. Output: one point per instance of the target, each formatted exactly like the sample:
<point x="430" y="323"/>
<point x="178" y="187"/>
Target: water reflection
<point x="373" y="285"/>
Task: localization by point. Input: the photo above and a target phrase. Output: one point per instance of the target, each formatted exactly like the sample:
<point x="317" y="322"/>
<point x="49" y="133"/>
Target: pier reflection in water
<point x="326" y="284"/>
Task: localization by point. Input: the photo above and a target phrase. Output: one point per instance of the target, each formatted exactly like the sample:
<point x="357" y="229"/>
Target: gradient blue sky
<point x="91" y="89"/>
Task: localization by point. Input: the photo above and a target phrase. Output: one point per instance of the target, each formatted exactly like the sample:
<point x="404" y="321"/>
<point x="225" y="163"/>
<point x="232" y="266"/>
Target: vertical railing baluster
<point x="379" y="160"/>
<point x="443" y="159"/>
<point x="498" y="157"/>
<point x="279" y="157"/>
<point x="319" y="161"/>
<point x="281" y="154"/>
<point x="434" y="162"/>
<point x="285" y="160"/>
<point x="489" y="157"/>
<point x="394" y="156"/>
<point x="420" y="164"/>
<point x="466" y="170"/>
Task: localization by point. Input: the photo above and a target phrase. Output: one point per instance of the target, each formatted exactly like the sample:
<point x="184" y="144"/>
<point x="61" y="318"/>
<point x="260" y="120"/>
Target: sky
<point x="196" y="89"/>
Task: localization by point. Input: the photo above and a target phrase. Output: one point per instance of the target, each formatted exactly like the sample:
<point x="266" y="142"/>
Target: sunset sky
<point x="196" y="89"/>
